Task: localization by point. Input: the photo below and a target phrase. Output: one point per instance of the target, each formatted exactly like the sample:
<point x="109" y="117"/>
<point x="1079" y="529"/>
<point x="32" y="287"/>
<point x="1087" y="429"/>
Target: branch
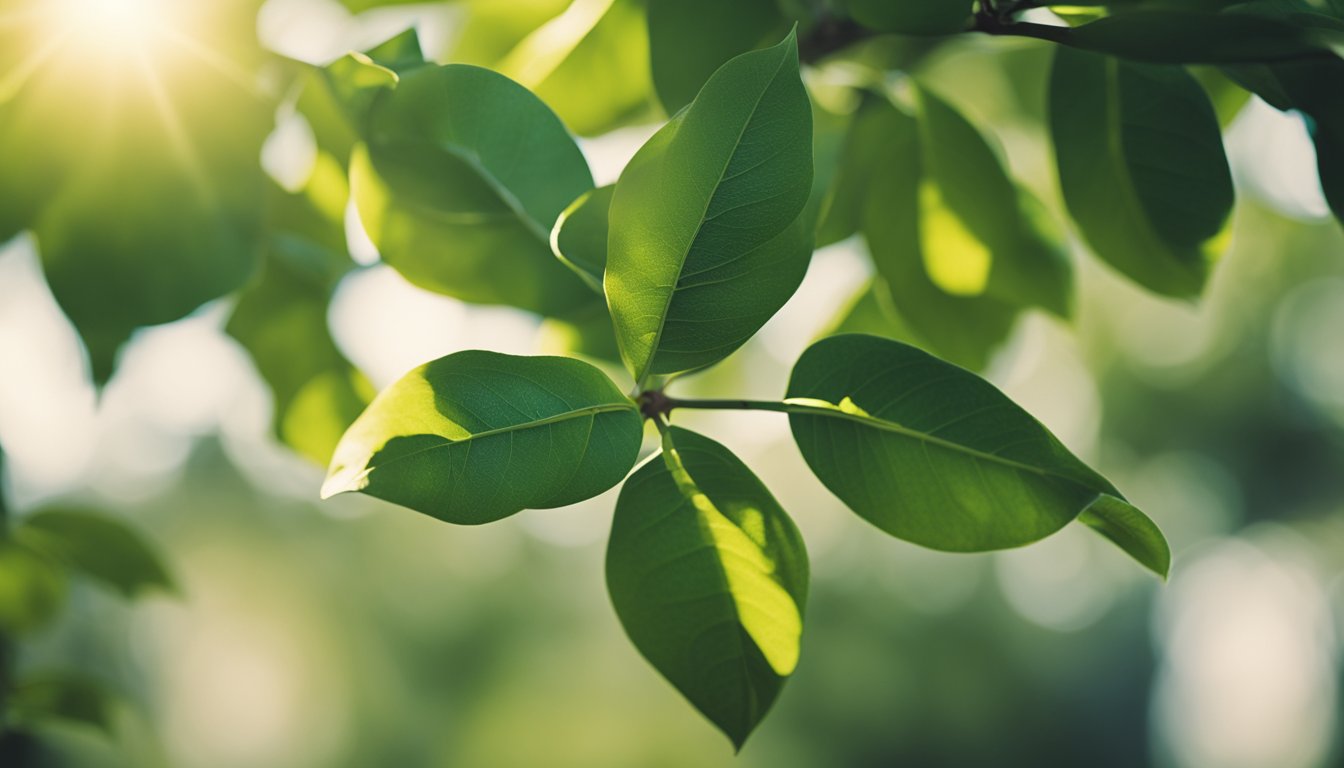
<point x="990" y="24"/>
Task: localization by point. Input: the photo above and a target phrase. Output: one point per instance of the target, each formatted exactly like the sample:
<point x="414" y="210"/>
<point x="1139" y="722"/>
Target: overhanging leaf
<point x="709" y="577"/>
<point x="932" y="454"/>
<point x="1141" y="166"/>
<point x="706" y="239"/>
<point x="477" y="436"/>
<point x="912" y="17"/>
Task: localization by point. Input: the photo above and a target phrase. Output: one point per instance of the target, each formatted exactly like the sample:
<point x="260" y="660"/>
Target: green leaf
<point x="32" y="588"/>
<point x="399" y="53"/>
<point x="281" y="319"/>
<point x="1142" y="167"/>
<point x="463" y="178"/>
<point x="709" y="578"/>
<point x="1131" y="530"/>
<point x="912" y="17"/>
<point x="1312" y="88"/>
<point x="975" y="232"/>
<point x="892" y="218"/>
<point x="101" y="547"/>
<point x="714" y="30"/>
<point x="1174" y="36"/>
<point x="590" y="64"/>
<point x="64" y="697"/>
<point x="477" y="436"/>
<point x="933" y="454"/>
<point x="579" y="239"/>
<point x="706" y="238"/>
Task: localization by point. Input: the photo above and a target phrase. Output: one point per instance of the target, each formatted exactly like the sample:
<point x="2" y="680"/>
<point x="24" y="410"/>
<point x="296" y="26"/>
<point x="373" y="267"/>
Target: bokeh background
<point x="354" y="633"/>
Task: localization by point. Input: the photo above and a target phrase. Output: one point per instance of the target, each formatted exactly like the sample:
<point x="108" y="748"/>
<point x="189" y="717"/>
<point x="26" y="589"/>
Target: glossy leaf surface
<point x="706" y="240"/>
<point x="709" y="577"/>
<point x="931" y="453"/>
<point x="477" y="436"/>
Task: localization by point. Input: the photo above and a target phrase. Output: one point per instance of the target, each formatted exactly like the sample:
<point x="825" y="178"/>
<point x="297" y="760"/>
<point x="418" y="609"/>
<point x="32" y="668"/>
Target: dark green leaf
<point x="590" y="64"/>
<point x="98" y="546"/>
<point x="912" y="17"/>
<point x="690" y="39"/>
<point x="709" y="577"/>
<point x="1142" y="167"/>
<point x="579" y="239"/>
<point x="1173" y="36"/>
<point x="64" y="697"/>
<point x="932" y="454"/>
<point x="706" y="239"/>
<point x="463" y="179"/>
<point x="477" y="436"/>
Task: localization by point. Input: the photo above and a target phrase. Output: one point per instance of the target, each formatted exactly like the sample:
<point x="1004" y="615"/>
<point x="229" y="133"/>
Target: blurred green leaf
<point x="1142" y="167"/>
<point x="32" y="588"/>
<point x="590" y="64"/>
<point x="963" y="329"/>
<point x="463" y="178"/>
<point x="709" y="577"/>
<point x="399" y="53"/>
<point x="929" y="452"/>
<point x="690" y="39"/>
<point x="477" y="436"/>
<point x="975" y="235"/>
<point x="58" y="696"/>
<point x="99" y="546"/>
<point x="706" y="238"/>
<point x="579" y="239"/>
<point x="912" y="17"/>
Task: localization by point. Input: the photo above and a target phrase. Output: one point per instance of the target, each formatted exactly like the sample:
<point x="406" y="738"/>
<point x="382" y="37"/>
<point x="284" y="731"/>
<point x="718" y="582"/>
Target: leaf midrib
<point x="592" y="410"/>
<point x="817" y="407"/>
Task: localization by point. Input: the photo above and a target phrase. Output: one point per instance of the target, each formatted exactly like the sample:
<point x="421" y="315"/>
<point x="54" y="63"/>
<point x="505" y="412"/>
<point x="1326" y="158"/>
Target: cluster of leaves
<point x="468" y="179"/>
<point x="39" y="555"/>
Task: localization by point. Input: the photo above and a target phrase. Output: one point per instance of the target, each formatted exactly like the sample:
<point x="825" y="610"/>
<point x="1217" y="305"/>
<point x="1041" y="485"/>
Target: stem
<point x="992" y="25"/>
<point x="736" y="405"/>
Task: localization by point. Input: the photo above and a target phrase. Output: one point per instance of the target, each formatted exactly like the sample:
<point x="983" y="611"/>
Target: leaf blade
<point x="720" y="555"/>
<point x="477" y="436"/>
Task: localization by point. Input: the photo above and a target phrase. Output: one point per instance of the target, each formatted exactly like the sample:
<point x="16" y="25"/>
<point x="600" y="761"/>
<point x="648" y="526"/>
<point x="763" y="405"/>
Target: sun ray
<point x="180" y="140"/>
<point x="18" y="77"/>
<point x="210" y="57"/>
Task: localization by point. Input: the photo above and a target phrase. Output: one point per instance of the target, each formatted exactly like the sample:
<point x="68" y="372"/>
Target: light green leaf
<point x="98" y="546"/>
<point x="893" y="217"/>
<point x="1142" y="167"/>
<point x="933" y="454"/>
<point x="463" y="178"/>
<point x="912" y="17"/>
<point x="706" y="238"/>
<point x="590" y="64"/>
<point x="709" y="577"/>
<point x="715" y="31"/>
<point x="477" y="436"/>
<point x="399" y="53"/>
<point x="65" y="697"/>
<point x="579" y="239"/>
<point x="976" y="233"/>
